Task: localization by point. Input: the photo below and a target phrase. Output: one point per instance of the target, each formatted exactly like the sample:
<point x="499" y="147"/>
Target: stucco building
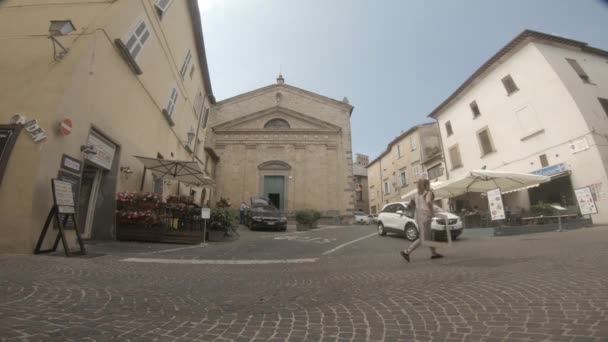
<point x="132" y="78"/>
<point x="288" y="144"/>
<point x="414" y="154"/>
<point x="539" y="105"/>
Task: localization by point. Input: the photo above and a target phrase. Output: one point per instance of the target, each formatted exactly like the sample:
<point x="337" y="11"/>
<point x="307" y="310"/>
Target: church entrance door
<point x="274" y="189"/>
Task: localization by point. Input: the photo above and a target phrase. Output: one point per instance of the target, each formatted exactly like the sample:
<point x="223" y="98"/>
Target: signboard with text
<point x="550" y="170"/>
<point x="497" y="209"/>
<point x="63" y="196"/>
<point x="103" y="155"/>
<point x="585" y="201"/>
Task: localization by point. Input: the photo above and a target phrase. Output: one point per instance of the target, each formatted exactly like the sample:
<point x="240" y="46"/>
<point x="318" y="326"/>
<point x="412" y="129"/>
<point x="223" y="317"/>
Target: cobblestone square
<point x="542" y="287"/>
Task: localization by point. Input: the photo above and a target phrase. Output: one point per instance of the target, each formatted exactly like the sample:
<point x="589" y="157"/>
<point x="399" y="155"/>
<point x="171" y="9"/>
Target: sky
<point x="395" y="60"/>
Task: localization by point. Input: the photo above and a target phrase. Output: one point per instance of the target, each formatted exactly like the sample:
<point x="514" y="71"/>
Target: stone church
<point x="287" y="144"/>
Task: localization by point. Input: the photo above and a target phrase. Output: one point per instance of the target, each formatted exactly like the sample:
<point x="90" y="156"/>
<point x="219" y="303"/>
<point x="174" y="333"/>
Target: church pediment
<point x="277" y="119"/>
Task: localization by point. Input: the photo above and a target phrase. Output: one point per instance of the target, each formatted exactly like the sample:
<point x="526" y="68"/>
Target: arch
<point x="274" y="165"/>
<point x="277" y="123"/>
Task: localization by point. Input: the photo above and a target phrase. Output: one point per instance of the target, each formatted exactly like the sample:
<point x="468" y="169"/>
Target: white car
<point x="395" y="218"/>
<point x="362" y="218"/>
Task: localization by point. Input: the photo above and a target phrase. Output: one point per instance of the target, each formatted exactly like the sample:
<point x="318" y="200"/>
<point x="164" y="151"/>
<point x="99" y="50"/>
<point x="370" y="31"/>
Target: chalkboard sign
<point x="75" y="181"/>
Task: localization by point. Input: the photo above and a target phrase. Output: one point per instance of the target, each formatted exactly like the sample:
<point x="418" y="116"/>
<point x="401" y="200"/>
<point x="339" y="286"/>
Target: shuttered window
<point x="187" y="60"/>
<point x="604" y="103"/>
<point x="485" y="141"/>
<point x="162" y="6"/>
<point x="579" y="70"/>
<point x="137" y="39"/>
<point x="475" y="109"/>
<point x="509" y="84"/>
<point x="172" y="102"/>
<point x="448" y="128"/>
<point x="455" y="157"/>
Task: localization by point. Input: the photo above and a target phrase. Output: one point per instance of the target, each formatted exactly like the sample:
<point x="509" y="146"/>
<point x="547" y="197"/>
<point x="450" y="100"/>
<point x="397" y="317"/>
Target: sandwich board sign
<point x="497" y="209"/>
<point x="585" y="201"/>
<point x="63" y="203"/>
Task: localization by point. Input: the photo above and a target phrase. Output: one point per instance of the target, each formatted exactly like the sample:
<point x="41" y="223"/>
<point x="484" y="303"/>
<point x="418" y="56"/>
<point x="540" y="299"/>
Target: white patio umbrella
<point x="486" y="180"/>
<point x="410" y="195"/>
<point x="184" y="171"/>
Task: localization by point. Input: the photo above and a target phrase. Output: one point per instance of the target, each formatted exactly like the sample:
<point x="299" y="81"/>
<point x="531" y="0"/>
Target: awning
<point x="184" y="171"/>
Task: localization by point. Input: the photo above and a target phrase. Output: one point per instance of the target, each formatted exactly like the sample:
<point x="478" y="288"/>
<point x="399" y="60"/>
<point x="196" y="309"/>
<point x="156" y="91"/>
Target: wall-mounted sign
<point x="585" y="201"/>
<point x="105" y="151"/>
<point x="65" y="127"/>
<point x="551" y="170"/>
<point x="71" y="164"/>
<point x="18" y="120"/>
<point x="36" y="132"/>
<point x="579" y="145"/>
<point x="497" y="209"/>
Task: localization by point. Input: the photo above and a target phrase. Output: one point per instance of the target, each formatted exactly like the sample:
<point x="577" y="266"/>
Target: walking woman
<point x="424" y="215"/>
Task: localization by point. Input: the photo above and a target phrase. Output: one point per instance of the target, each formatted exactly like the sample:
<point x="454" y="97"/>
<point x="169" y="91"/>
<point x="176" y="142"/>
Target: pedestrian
<point x="242" y="212"/>
<point x="423" y="201"/>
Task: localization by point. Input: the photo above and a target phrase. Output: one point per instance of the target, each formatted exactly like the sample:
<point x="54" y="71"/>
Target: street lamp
<point x="190" y="135"/>
<point x="60" y="28"/>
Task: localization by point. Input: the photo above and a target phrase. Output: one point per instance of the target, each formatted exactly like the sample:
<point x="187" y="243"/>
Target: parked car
<point x="373" y="218"/>
<point x="396" y="218"/>
<point x="262" y="214"/>
<point x="362" y="218"/>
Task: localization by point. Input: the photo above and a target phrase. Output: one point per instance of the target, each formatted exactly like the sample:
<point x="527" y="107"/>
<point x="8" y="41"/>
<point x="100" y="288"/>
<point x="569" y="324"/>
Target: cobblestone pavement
<point x="544" y="287"/>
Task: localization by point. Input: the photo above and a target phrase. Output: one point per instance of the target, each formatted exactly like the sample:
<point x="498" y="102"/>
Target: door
<point x="400" y="219"/>
<point x="388" y="217"/>
<point x="274" y="190"/>
<point x="89" y="189"/>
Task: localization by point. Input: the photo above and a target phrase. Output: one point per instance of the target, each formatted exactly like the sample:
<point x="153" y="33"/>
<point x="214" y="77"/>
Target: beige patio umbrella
<point x="184" y="171"/>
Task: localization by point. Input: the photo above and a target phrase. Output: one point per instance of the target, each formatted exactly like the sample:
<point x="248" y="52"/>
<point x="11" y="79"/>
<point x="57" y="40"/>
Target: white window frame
<point x="386" y="188"/>
<point x="398" y="152"/>
<point x="132" y="33"/>
<point x="403" y="177"/>
<point x="186" y="64"/>
<point x="161" y="11"/>
<point x="172" y="101"/>
<point x="198" y="103"/>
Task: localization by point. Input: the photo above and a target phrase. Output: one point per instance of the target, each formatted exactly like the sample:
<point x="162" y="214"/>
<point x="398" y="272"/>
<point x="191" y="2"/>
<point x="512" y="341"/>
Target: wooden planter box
<point x="159" y="233"/>
<point x="138" y="232"/>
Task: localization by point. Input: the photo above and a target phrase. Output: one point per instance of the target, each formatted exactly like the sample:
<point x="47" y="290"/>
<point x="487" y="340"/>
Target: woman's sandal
<point x="405" y="256"/>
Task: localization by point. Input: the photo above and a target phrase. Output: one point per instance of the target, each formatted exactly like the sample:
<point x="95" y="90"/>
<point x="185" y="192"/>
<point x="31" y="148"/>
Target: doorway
<point x="89" y="191"/>
<point x="274" y="190"/>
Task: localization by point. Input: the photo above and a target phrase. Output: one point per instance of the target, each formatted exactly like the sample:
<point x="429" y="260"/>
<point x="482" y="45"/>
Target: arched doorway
<point x="273" y="182"/>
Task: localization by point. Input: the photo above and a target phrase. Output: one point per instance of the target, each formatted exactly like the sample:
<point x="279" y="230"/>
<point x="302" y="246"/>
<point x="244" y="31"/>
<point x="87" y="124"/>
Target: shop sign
<point x="497" y="209"/>
<point x="64" y="196"/>
<point x="105" y="151"/>
<point x="585" y="201"/>
<point x="550" y="170"/>
<point x="36" y="132"/>
<point x="74" y="180"/>
<point x="205" y="213"/>
<point x="70" y="164"/>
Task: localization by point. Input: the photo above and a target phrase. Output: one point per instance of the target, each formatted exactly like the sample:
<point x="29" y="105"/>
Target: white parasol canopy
<point x="184" y="171"/>
<point x="410" y="195"/>
<point x="486" y="180"/>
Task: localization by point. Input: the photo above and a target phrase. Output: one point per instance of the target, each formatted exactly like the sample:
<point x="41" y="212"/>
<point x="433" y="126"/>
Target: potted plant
<point x="307" y="219"/>
<point x="220" y="221"/>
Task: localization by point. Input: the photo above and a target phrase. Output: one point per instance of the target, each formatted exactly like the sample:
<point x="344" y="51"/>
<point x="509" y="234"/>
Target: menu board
<point x="64" y="197"/>
<point x="585" y="201"/>
<point x="497" y="209"/>
<point x="75" y="181"/>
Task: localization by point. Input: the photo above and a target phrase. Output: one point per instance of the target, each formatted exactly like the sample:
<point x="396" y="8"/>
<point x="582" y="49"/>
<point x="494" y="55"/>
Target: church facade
<point x="286" y="144"/>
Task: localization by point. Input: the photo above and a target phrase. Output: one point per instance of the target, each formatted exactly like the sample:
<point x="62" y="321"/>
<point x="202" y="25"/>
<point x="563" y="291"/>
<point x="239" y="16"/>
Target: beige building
<point x="360" y="180"/>
<point x="285" y="143"/>
<point x="130" y="75"/>
<point x="414" y="154"/>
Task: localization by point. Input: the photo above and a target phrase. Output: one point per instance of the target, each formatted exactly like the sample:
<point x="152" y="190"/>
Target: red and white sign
<point x="66" y="127"/>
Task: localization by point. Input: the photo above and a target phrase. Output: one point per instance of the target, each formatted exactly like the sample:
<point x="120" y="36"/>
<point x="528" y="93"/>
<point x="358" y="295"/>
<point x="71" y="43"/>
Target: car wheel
<point x="381" y="231"/>
<point x="411" y="233"/>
